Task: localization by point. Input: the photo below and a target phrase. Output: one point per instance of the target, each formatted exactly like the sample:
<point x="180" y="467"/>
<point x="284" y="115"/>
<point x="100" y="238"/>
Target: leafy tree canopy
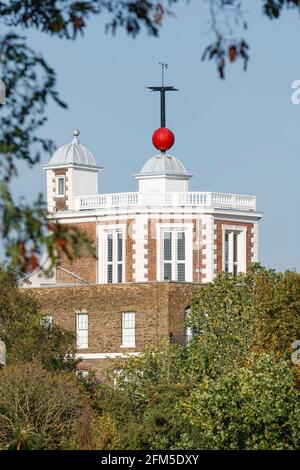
<point x="254" y="312"/>
<point x="26" y="336"/>
<point x="253" y="407"/>
<point x="233" y="387"/>
<point x="39" y="409"/>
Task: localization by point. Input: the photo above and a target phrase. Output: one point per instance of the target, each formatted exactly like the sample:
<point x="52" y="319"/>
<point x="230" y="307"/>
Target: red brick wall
<point x="85" y="265"/>
<point x="159" y="308"/>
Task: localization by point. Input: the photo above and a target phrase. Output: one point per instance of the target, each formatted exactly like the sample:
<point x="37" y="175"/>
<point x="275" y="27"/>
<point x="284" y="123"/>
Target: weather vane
<point x="164" y="67"/>
<point x="163" y="138"/>
<point x="162" y="89"/>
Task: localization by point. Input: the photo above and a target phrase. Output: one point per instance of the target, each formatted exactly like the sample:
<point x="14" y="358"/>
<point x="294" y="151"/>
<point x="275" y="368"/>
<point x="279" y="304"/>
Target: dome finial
<point x="76" y="132"/>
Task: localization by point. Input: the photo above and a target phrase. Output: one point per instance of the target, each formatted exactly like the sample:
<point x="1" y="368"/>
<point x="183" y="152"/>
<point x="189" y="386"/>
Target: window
<point x="46" y="322"/>
<point x="174" y="255"/>
<point x="123" y="376"/>
<point x="167" y="256"/>
<point x="119" y="257"/>
<point x="109" y="257"/>
<point x="60" y="186"/>
<point x="128" y="329"/>
<point x="187" y="329"/>
<point x="82" y="330"/>
<point x="116" y="375"/>
<point x="233" y="253"/>
<point x="226" y="252"/>
<point x="114" y="257"/>
<point x="82" y="374"/>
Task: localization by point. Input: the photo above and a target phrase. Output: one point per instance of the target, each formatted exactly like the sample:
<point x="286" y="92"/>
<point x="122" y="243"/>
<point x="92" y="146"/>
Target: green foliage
<point x="30" y="84"/>
<point x="274" y="8"/>
<point x="277" y="311"/>
<point x="228" y="17"/>
<point x="22" y="329"/>
<point x="233" y="387"/>
<point x="38" y="409"/>
<point x="253" y="407"/>
<point x="257" y="311"/>
<point x="105" y="434"/>
<point x="144" y="401"/>
<point x="222" y="323"/>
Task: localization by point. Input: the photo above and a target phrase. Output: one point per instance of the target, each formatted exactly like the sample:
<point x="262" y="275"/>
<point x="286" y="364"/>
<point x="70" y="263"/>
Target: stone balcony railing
<point x="207" y="200"/>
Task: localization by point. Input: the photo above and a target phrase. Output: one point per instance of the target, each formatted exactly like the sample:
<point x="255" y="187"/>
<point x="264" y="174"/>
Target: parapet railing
<point x="172" y="199"/>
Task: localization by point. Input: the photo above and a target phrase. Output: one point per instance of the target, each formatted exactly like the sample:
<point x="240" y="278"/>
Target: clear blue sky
<point x="239" y="135"/>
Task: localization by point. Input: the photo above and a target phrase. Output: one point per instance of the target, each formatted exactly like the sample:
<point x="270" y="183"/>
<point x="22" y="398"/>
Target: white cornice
<point x="108" y="355"/>
<point x="73" y="165"/>
<point x="93" y="215"/>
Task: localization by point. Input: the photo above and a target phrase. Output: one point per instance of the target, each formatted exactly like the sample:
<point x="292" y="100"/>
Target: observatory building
<point x="155" y="248"/>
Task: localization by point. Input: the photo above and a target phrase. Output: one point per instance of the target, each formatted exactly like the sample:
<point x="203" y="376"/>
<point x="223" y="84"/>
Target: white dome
<point x="73" y="154"/>
<point x="163" y="165"/>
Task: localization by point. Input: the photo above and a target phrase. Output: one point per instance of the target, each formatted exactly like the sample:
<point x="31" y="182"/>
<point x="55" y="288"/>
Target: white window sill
<point x="127" y="346"/>
<point x="82" y="347"/>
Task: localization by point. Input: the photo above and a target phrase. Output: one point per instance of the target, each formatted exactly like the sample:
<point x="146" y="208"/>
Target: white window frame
<point x="174" y="261"/>
<point x="128" y="340"/>
<point x="176" y="228"/>
<point x="82" y="340"/>
<point x="103" y="232"/>
<point x="47" y="321"/>
<point x="57" y="186"/>
<point x="82" y="374"/>
<point x="241" y="233"/>
<point x="115" y="263"/>
<point x="188" y="332"/>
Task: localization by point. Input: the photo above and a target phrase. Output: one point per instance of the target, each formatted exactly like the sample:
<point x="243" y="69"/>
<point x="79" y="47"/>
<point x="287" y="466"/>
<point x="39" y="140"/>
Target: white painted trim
<point x="57" y="178"/>
<point x="70" y="190"/>
<point x="128" y="345"/>
<point x="78" y="338"/>
<point x="209" y="251"/>
<point x="255" y="241"/>
<point x="242" y="247"/>
<point x="87" y="356"/>
<point x="140" y="250"/>
<point x="70" y="165"/>
<point x="183" y="211"/>
<point x="152" y="176"/>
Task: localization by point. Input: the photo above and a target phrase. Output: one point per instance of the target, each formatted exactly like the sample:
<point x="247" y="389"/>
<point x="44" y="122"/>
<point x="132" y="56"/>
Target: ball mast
<point x="163" y="90"/>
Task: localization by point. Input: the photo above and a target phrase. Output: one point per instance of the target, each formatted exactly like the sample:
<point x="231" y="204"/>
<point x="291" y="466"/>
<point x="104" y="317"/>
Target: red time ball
<point x="163" y="139"/>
